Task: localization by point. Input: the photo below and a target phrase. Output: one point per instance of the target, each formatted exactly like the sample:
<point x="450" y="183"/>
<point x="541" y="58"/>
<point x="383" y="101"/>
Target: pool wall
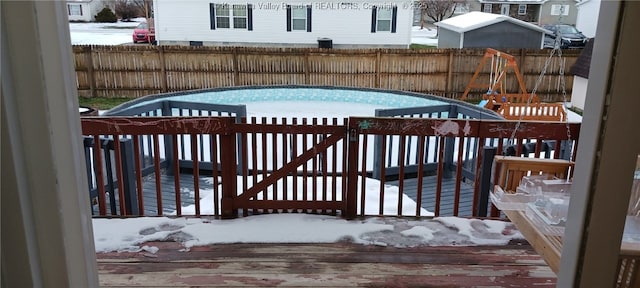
<point x="242" y="94"/>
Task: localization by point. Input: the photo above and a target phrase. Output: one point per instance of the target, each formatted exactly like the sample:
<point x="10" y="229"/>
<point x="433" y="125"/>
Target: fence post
<point x="228" y="175"/>
<point x="236" y="73"/>
<point x="90" y="73"/>
<point x="128" y="177"/>
<point x="306" y="67"/>
<point x="351" y="205"/>
<point x="168" y="140"/>
<point x="378" y="64"/>
<point x="488" y="153"/>
<point x="163" y="69"/>
<point x="448" y="92"/>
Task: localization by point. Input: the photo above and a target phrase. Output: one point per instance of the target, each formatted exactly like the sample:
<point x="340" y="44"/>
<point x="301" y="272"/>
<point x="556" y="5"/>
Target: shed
<point x="487" y="30"/>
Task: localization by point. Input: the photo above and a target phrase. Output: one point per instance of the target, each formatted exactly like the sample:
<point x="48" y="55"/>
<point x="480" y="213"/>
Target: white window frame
<point x="72" y="9"/>
<point x="231" y="18"/>
<point x="487" y="8"/>
<point x="381" y="19"/>
<point x="559" y="9"/>
<point x="461" y="8"/>
<point x="244" y="18"/>
<point x="522" y="9"/>
<point x="302" y="8"/>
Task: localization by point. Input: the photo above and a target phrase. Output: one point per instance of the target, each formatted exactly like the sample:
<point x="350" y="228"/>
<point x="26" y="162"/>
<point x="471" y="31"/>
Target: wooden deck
<point x="447" y="197"/>
<point x="325" y="265"/>
<point x="410" y="189"/>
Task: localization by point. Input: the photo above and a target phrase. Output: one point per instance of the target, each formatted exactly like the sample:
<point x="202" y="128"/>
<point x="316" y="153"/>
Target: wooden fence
<point x="135" y="71"/>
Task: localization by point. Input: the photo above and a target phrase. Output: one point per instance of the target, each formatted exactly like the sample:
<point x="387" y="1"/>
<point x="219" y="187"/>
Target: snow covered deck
<point x="340" y="264"/>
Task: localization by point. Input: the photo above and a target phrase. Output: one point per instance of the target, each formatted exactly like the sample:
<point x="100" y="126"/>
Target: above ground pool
<point x="300" y="101"/>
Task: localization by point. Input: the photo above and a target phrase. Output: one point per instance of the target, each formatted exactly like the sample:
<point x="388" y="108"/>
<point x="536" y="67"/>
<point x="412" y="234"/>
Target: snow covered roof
<point x="474" y="20"/>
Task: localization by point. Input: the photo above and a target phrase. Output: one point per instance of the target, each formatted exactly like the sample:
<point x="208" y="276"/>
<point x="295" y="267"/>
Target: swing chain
<point x="564" y="93"/>
<point x="556" y="48"/>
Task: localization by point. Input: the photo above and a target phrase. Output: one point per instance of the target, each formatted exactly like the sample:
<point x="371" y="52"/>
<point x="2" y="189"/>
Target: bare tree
<point x="128" y="9"/>
<point x="144" y="6"/>
<point x="438" y="10"/>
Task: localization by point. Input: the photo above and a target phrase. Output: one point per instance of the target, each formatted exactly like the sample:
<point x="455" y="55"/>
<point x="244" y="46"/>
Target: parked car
<point x="570" y="37"/>
<point x="143" y="34"/>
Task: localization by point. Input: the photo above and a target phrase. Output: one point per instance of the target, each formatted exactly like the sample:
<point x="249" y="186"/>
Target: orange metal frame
<point x="517" y="106"/>
<point x="497" y="85"/>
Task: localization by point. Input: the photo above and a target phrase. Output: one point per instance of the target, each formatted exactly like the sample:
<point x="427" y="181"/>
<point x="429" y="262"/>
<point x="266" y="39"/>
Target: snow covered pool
<point x="298" y="101"/>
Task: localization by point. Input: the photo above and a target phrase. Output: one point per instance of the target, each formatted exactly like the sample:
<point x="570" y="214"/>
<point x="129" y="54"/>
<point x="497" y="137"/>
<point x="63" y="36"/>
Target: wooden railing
<point x="327" y="162"/>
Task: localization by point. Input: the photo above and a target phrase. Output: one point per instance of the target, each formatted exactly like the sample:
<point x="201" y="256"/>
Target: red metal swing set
<point x="512" y="106"/>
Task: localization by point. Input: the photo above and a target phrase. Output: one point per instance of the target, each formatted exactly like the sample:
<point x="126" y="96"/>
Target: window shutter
<point x="308" y="18"/>
<point x="288" y="17"/>
<point x="249" y="17"/>
<point x="394" y="17"/>
<point x="212" y="15"/>
<point x="374" y="10"/>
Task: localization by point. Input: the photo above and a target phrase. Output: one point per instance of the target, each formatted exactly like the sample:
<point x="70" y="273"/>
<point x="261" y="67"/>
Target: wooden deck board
<point x="446" y="198"/>
<point x="325" y="265"/>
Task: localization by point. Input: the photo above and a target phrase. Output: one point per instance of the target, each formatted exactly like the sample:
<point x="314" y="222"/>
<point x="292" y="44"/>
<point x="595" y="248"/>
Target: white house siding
<point x="587" y="19"/>
<point x="547" y="18"/>
<point x="178" y="22"/>
<point x="82" y="7"/>
<point x="89" y="8"/>
<point x="579" y="92"/>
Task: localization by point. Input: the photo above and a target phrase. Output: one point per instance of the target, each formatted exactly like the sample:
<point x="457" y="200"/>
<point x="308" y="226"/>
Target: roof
<point x="474" y="20"/>
<point x="582" y="2"/>
<point x="582" y="64"/>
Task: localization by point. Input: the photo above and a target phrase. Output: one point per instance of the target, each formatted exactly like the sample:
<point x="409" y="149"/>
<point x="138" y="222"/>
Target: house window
<point x="461" y="8"/>
<point x="222" y="16"/>
<point x="239" y="16"/>
<point x="383" y="19"/>
<point x="486" y="8"/>
<point x="236" y="16"/>
<point x="522" y="9"/>
<point x="558" y="9"/>
<point x="74" y="9"/>
<point x="299" y="18"/>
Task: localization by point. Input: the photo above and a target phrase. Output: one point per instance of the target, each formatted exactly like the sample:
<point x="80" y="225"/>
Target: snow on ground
<point x="372" y="196"/>
<point x="131" y="234"/>
<point x="424" y="36"/>
<point x="103" y="33"/>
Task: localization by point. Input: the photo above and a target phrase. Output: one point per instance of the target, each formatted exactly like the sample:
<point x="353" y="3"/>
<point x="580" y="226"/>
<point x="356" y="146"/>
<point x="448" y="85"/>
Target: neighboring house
<point x="487" y="30"/>
<point x="587" y="19"/>
<point x="580" y="71"/>
<point x="285" y="24"/>
<point x="536" y="11"/>
<point x="84" y="10"/>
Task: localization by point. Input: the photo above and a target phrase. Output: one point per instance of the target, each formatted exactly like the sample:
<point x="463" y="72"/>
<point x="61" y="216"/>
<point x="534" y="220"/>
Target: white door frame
<point x="504" y="9"/>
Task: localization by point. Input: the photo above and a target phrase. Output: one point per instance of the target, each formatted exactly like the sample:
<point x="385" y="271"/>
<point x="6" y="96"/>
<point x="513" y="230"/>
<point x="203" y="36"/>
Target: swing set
<point x="512" y="106"/>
